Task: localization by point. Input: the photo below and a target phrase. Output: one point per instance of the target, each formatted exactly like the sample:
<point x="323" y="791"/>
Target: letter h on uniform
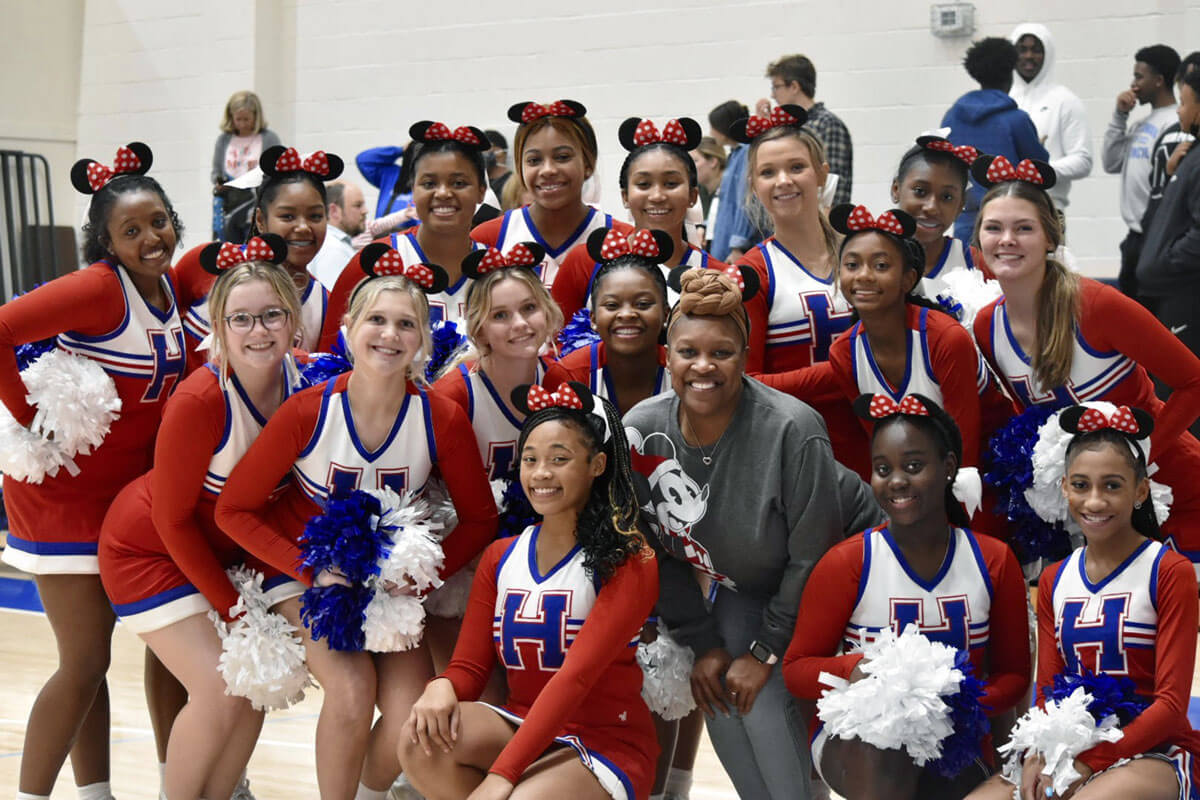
<point x="546" y="630"/>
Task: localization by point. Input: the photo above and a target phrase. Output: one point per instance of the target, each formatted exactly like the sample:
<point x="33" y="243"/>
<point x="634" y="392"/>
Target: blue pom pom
<point x="447" y="342"/>
<point x="950" y="306"/>
<point x="31" y="352"/>
<point x="970" y="722"/>
<point x="339" y="348"/>
<point x="335" y="613"/>
<point x="343" y="536"/>
<point x="577" y="333"/>
<point x="322" y="367"/>
<point x="1011" y="473"/>
<point x="1111" y="695"/>
<point x="518" y="514"/>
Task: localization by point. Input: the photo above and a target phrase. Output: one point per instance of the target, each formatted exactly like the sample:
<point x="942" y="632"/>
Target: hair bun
<point x="706" y="292"/>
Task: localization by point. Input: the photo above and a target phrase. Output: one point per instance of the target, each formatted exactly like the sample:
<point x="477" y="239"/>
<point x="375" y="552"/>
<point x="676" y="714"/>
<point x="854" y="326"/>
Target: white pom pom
<point x="450" y="599"/>
<point x="667" y="676"/>
<point x="899" y="702"/>
<point x="392" y="624"/>
<point x="262" y="658"/>
<point x="416" y="555"/>
<point x="1059" y="733"/>
<point x="76" y="404"/>
<point x="441" y="507"/>
<point x="969" y="289"/>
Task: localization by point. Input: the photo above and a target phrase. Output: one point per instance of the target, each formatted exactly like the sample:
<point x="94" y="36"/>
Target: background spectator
<point x="496" y="159"/>
<point x="244" y="135"/>
<point x="732" y="233"/>
<point x="1170" y="148"/>
<point x="347" y="215"/>
<point x="710" y="167"/>
<point x="383" y="167"/>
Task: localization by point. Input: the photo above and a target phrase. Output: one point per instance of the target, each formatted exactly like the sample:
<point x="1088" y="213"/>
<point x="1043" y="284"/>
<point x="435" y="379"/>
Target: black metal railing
<point x="28" y="251"/>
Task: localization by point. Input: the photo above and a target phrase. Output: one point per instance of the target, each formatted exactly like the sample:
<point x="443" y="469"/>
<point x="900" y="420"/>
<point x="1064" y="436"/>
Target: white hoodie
<point x="1057" y="113"/>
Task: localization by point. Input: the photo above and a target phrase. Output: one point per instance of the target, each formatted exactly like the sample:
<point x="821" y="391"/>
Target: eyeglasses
<point x="272" y="319"/>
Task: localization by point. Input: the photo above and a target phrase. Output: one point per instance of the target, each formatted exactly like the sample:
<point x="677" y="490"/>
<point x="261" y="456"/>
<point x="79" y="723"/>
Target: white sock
<point x="366" y="793"/>
<point x="101" y="790"/>
<point x="28" y="796"/>
<point x="679" y="782"/>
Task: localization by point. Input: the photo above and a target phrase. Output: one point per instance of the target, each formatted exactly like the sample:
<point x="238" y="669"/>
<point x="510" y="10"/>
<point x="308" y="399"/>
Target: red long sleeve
<point x="955" y="362"/>
<point x="1010" y="664"/>
<point x="191" y="280"/>
<point x="191" y="430"/>
<point x="819" y="383"/>
<point x="757" y="312"/>
<point x="488" y="233"/>
<point x="574" y="366"/>
<point x="466" y="480"/>
<point x="570" y="289"/>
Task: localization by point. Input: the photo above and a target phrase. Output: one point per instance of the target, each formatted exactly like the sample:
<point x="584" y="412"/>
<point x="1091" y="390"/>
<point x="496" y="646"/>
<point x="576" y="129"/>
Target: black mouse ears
<point x="89" y="176"/>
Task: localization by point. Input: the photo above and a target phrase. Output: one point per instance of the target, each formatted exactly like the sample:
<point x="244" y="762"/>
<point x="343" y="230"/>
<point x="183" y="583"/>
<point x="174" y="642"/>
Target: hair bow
<point x="528" y="112"/>
<point x="1093" y="419"/>
<point x="735" y="274"/>
<point x="756" y="126"/>
<point x="640" y="243"/>
<point x="519" y="255"/>
<point x="440" y="131"/>
<point x="391" y="263"/>
<point x="230" y="255"/>
<point x="289" y="161"/>
<point x="963" y="152"/>
<point x="98" y="175"/>
<point x="861" y="220"/>
<point x="883" y="406"/>
<point x="562" y="397"/>
<point x="647" y="132"/>
<point x="1001" y="169"/>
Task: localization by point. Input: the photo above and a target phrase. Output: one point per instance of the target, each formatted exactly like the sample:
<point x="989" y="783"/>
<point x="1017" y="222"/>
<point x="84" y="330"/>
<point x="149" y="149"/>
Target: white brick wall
<point x="353" y="74"/>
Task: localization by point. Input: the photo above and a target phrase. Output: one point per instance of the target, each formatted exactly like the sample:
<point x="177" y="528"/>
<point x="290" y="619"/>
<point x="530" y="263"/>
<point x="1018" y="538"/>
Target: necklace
<point x="707" y="458"/>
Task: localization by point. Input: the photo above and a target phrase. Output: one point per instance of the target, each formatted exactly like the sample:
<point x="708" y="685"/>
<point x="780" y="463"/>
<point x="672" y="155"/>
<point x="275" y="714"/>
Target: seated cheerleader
<point x="566" y="600"/>
<point x="121" y="311"/>
<point x="1123" y="605"/>
<point x="373" y="427"/>
<point x="931" y="186"/>
<point x="556" y="151"/>
<point x="659" y="184"/>
<point x="290" y="203"/>
<point x="923" y="567"/>
<point x="898" y="346"/>
<point x="449" y="182"/>
<point x="1056" y="338"/>
<point x="628" y="309"/>
<point x="162" y="557"/>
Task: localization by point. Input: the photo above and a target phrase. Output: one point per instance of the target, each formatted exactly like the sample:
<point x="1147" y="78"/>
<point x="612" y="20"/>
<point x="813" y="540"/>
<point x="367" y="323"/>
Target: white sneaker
<point x="403" y="790"/>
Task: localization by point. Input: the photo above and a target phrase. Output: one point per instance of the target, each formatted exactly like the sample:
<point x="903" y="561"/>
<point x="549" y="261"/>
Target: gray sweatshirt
<point x="756" y="520"/>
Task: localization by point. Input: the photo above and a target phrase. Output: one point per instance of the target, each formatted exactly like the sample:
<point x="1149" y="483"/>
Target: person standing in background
<point x="794" y="81"/>
<point x="732" y="233"/>
<point x="1056" y="111"/>
<point x="710" y="168"/>
<point x="346" y="209"/>
<point x="496" y="159"/>
<point x="244" y="135"/>
<point x="1128" y="148"/>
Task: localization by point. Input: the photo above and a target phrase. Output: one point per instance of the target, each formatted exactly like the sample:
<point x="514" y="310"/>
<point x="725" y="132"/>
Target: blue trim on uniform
<point x="983" y="570"/>
<point x="370" y="455"/>
<point x="101" y="351"/>
<point x="465" y="374"/>
<point x="507" y="552"/>
<point x="160" y="315"/>
<point x="924" y="340"/>
<point x="254" y="412"/>
<point x="83" y="337"/>
<point x="1087" y="348"/>
<point x="538" y="577"/>
<point x="1012" y="339"/>
<point x="930" y="585"/>
<point x="587" y="297"/>
<point x="1154" y="577"/>
<point x="594" y="369"/>
<point x="1058" y="575"/>
<point x="416" y="246"/>
<point x="968" y="259"/>
<point x="19" y="594"/>
<point x="1107" y="579"/>
<point x="154" y="601"/>
<point x="866" y="566"/>
<point x="276" y="580"/>
<point x="762" y="248"/>
<point x="228" y="422"/>
<point x="500" y="404"/>
<point x="555" y="252"/>
<point x="615" y="771"/>
<point x="896" y="394"/>
<point x="427" y="412"/>
<point x="51" y="548"/>
<point x="947" y="243"/>
<point x="827" y="281"/>
<point x="316" y="434"/>
<point x="504" y="220"/>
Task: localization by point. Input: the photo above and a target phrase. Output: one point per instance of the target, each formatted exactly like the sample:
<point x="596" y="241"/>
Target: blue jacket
<point x="989" y="120"/>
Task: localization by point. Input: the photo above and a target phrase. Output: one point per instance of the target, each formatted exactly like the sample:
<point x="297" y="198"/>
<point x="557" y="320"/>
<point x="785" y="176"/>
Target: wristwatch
<point x="763" y="653"/>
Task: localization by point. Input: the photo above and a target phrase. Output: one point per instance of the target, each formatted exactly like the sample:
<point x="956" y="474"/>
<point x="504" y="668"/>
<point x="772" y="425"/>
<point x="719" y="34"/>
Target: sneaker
<point x="403" y="790"/>
<point x="242" y="792"/>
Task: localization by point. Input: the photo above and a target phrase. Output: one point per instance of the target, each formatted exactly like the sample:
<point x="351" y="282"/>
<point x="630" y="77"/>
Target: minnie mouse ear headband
<point x="1134" y="423"/>
<point x="378" y="260"/>
<point x="936" y="141"/>
<point x="523" y="255"/>
<point x="744" y="279"/>
<point x="89" y="177"/>
<point x="850" y="220"/>
<point x="684" y="132"/>
<point x="430" y="132"/>
<point x="609" y="244"/>
<point x="991" y="170"/>
<point x="528" y="111"/>
<point x="573" y="396"/>
<point x="220" y="257"/>
<point x="749" y="129"/>
<point x="280" y="160"/>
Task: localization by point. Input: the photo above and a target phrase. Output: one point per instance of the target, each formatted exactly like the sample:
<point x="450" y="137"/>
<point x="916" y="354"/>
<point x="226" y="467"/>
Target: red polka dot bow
<point x="289" y="161"/>
<point x="1001" y="169"/>
<point x="639" y="243"/>
<point x="735" y="274"/>
<point x="861" y="220"/>
<point x="647" y="132"/>
<point x="230" y="255"/>
<point x="1094" y="419"/>
<point x="963" y="152"/>
<point x="562" y="397"/>
<point x="390" y="263"/>
<point x="756" y="126"/>
<point x="518" y="256"/>
<point x="98" y="175"/>
<point x="534" y="111"/>
<point x="884" y="406"/>
<point x="440" y="132"/>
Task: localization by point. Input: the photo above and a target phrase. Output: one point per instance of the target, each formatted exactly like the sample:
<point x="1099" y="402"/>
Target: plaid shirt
<point x="839" y="152"/>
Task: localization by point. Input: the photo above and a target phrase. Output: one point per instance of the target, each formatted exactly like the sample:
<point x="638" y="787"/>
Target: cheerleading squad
<point x="533" y="501"/>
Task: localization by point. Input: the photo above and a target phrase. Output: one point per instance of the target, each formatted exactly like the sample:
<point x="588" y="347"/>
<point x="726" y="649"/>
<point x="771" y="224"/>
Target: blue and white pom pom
<point x="667" y="676"/>
<point x="1081" y="711"/>
<point x="965" y="292"/>
<point x="918" y="695"/>
<point x="262" y="658"/>
<point x="321" y="367"/>
<point x="448" y="344"/>
<point x="577" y="333"/>
<point x="76" y="404"/>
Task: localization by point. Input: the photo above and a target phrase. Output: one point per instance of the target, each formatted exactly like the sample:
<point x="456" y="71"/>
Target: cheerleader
<point x="120" y="311"/>
<point x="628" y="310"/>
<point x="924" y="567"/>
<point x="510" y="319"/>
<point x="373" y="427"/>
<point x="800" y="311"/>
<point x="559" y="607"/>
<point x="290" y="203"/>
<point x="556" y="152"/>
<point x="1123" y="605"/>
<point x="449" y="182"/>
<point x="1058" y="338"/>
<point x="659" y="184"/>
<point x="931" y="186"/>
<point x="162" y="557"/>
